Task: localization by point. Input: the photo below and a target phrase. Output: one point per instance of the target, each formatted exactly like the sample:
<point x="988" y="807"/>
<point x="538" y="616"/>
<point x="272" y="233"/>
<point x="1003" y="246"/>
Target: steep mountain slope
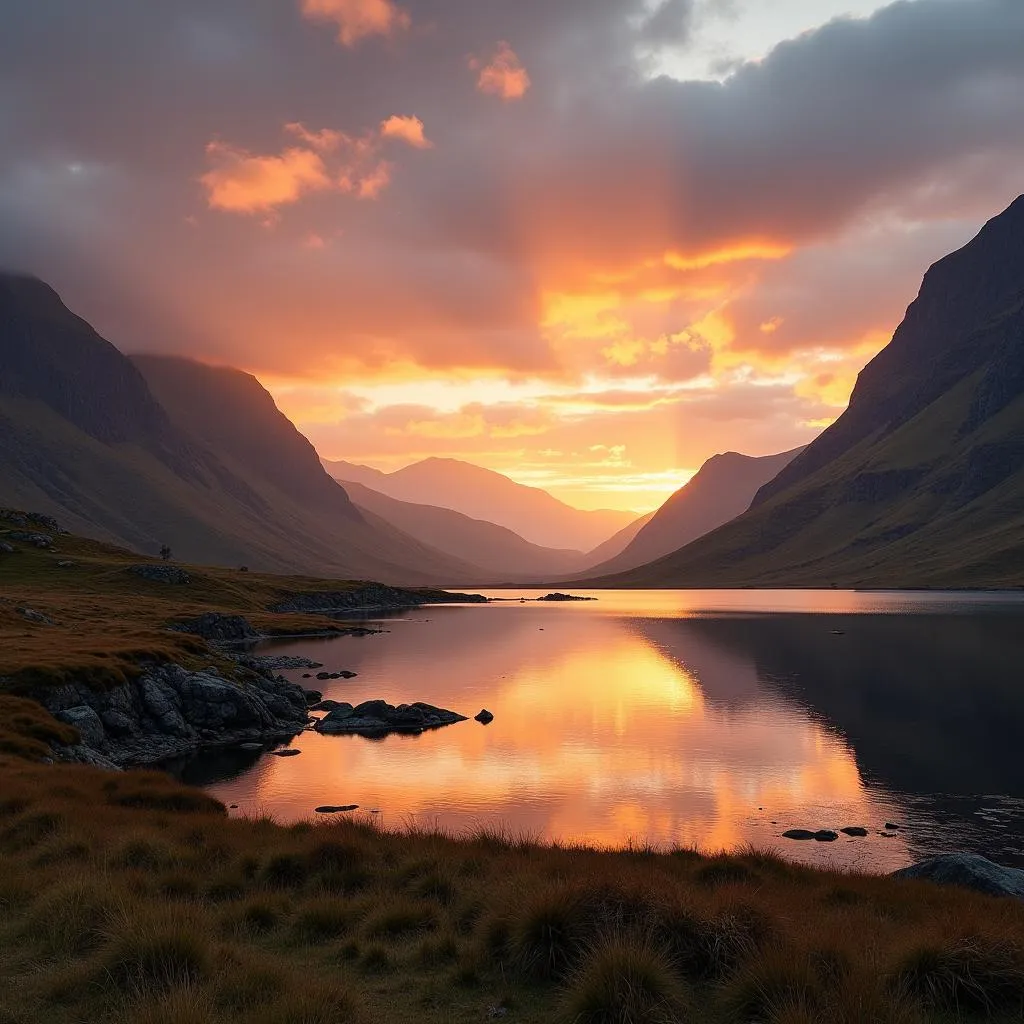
<point x="921" y="481"/>
<point x="483" y="494"/>
<point x="494" y="549"/>
<point x="618" y="542"/>
<point x="83" y="438"/>
<point x="722" y="489"/>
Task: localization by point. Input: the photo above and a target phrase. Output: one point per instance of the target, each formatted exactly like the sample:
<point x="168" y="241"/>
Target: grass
<point x="130" y="898"/>
<point x="165" y="909"/>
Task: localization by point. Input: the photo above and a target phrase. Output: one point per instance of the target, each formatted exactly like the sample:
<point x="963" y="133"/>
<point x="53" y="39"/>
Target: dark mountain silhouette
<point x="84" y="438"/>
<point x="484" y="494"/>
<point x="495" y="549"/>
<point x="721" y="490"/>
<point x="921" y="481"/>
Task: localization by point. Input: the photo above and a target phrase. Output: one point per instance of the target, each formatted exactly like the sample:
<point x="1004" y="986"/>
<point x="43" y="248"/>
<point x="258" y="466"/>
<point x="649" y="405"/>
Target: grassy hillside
<point x="921" y="482"/>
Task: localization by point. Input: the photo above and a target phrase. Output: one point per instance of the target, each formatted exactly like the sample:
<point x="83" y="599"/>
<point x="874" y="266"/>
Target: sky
<point x="587" y="243"/>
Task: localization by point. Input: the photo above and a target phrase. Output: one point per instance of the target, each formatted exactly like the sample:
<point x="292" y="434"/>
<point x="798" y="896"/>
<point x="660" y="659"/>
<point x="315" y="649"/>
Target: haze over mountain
<point x="484" y="494"/>
<point x="83" y="438"/>
<point x="921" y="481"/>
<point x="721" y="490"/>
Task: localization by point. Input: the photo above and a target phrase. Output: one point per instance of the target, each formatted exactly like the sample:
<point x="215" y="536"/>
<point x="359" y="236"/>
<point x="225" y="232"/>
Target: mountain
<point x="483" y="494"/>
<point x="921" y="481"/>
<point x="618" y="542"/>
<point x="84" y="438"/>
<point x="722" y="489"/>
<point x="494" y="549"/>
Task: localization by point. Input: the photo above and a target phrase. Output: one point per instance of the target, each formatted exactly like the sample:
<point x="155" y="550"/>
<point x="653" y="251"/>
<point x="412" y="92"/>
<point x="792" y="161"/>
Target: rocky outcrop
<point x="370" y="597"/>
<point x="378" y="718"/>
<point x="564" y="597"/>
<point x="160" y="573"/>
<point x="969" y="871"/>
<point x="215" y="626"/>
<point x="27" y="519"/>
<point x="170" y="712"/>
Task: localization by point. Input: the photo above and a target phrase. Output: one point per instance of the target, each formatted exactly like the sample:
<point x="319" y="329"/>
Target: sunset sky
<point x="588" y="243"/>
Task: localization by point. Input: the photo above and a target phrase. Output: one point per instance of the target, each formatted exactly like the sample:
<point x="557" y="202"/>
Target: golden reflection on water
<point x="609" y="729"/>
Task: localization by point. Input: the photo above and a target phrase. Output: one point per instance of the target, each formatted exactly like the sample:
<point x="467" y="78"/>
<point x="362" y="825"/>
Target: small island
<point x="564" y="597"/>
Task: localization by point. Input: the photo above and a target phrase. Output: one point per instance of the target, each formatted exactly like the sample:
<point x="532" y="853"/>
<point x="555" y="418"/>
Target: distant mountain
<point x="218" y="474"/>
<point x="721" y="490"/>
<point x="618" y="542"/>
<point x="921" y="481"/>
<point x="484" y="494"/>
<point x="494" y="549"/>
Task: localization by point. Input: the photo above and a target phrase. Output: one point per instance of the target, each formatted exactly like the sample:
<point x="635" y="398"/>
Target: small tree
<point x="165" y="553"/>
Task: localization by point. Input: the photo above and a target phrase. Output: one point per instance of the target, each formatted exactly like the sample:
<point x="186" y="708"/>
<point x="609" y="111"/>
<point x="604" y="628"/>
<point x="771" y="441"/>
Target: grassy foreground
<point x="128" y="899"/>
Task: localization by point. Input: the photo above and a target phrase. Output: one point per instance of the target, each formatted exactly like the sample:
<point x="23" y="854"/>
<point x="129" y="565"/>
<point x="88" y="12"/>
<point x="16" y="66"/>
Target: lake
<point x="713" y="719"/>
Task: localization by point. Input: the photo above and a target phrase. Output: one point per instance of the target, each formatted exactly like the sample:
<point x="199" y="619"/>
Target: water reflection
<point x="694" y="719"/>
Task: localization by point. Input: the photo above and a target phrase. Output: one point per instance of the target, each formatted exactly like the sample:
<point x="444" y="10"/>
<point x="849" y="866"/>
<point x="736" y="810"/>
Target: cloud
<point x="358" y="19"/>
<point x="243" y="183"/>
<point x="501" y="74"/>
<point x="407" y="129"/>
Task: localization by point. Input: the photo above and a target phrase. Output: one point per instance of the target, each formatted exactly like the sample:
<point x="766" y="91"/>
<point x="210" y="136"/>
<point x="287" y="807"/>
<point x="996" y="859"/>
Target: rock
<point x="378" y="718"/>
<point x="564" y="597"/>
<point x="37" y="540"/>
<point x="65" y="564"/>
<point x="213" y="625"/>
<point x="323" y="675"/>
<point x="7" y="549"/>
<point x="31" y="615"/>
<point x="170" y="712"/>
<point x="329" y="705"/>
<point x="969" y="871"/>
<point x="347" y="675"/>
<point x="485" y="717"/>
<point x="86" y="721"/>
<point x="826" y="835"/>
<point x="329" y="809"/>
<point x="801" y="834"/>
<point x="160" y="573"/>
<point x="287" y="752"/>
<point x="274" y="662"/>
<point x="371" y="597"/>
<point x="250" y="747"/>
<point x="307" y="675"/>
<point x="890" y="827"/>
<point x="854" y="830"/>
<point x="313" y="697"/>
<point x="26" y="519"/>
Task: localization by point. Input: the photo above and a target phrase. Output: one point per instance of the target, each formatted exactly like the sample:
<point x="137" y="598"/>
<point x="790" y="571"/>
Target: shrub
<point x="153" y="955"/>
<point x="324" y="920"/>
<point x="625" y="981"/>
<point x="401" y="917"/>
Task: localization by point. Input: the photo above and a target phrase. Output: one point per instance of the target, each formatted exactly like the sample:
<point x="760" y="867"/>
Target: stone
<point x="323" y="675"/>
<point x="250" y="747"/>
<point x="890" y="827"/>
<point x="87" y="722"/>
<point x="969" y="871"/>
<point x="37" y="540"/>
<point x="313" y="697"/>
<point x="826" y="835"/>
<point x="378" y="718"/>
<point x="330" y="809"/>
<point x="31" y="615"/>
<point x="854" y="830"/>
<point x="347" y="675"/>
<point x="330" y="705"/>
<point x="7" y="549"/>
<point x="65" y="564"/>
<point x="800" y="834"/>
<point x="214" y="626"/>
<point x="485" y="717"/>
<point x="170" y="574"/>
<point x="287" y="752"/>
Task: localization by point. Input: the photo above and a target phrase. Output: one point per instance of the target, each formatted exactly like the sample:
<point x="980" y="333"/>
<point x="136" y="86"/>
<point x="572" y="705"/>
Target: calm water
<point x="713" y="719"/>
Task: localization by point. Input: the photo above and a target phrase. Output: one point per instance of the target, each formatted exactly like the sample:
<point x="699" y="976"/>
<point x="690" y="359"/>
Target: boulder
<point x="7" y="549"/>
<point x="331" y="809"/>
<point x="854" y="830"/>
<point x="86" y="721"/>
<point x="160" y="573"/>
<point x="323" y="675"/>
<point x="329" y="705"/>
<point x="31" y="615"/>
<point x="378" y="718"/>
<point x="485" y="717"/>
<point x="287" y="752"/>
<point x="969" y="871"/>
<point x="37" y="540"/>
<point x="213" y="625"/>
<point x="313" y="697"/>
<point x="826" y="835"/>
<point x="800" y="834"/>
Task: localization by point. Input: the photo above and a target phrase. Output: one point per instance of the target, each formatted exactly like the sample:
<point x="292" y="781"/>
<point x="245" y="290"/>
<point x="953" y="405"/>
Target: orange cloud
<point x="358" y="19"/>
<point x="241" y="182"/>
<point x="371" y="184"/>
<point x="407" y="129"/>
<point x="502" y="75"/>
<point x="327" y="140"/>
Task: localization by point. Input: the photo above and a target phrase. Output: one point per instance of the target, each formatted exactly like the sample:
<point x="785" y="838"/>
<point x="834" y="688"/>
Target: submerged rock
<point x="969" y="871"/>
<point x="854" y="830"/>
<point x="330" y="809"/>
<point x="287" y="752"/>
<point x="485" y="717"/>
<point x="378" y="718"/>
<point x="801" y="834"/>
<point x="826" y="835"/>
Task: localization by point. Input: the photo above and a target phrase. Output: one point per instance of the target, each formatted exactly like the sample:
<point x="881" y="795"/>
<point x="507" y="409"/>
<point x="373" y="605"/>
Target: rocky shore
<point x="371" y="597"/>
<point x="170" y="712"/>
